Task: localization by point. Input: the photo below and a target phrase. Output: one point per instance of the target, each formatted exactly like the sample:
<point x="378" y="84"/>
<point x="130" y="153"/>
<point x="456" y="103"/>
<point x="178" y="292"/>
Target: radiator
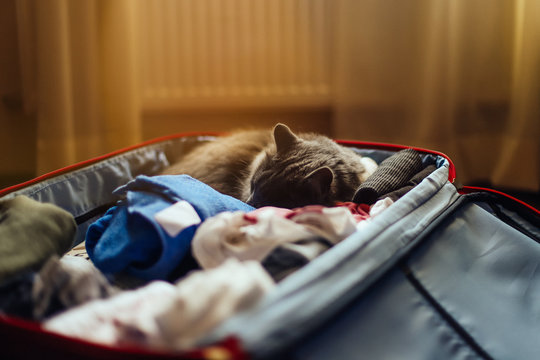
<point x="199" y="53"/>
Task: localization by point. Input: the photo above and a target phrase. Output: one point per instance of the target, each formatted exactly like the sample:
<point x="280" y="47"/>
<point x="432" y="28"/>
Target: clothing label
<point x="177" y="217"/>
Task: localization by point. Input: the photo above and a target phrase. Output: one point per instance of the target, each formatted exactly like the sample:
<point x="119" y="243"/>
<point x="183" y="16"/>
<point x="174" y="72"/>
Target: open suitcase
<point x="444" y="273"/>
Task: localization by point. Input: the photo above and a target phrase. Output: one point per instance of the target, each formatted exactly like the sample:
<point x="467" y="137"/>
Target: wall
<point x="217" y="65"/>
<point x="17" y="134"/>
<point x="156" y="125"/>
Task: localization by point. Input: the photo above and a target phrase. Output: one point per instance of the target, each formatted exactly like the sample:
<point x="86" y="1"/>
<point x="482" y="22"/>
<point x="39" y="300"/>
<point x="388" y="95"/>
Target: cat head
<point x="290" y="173"/>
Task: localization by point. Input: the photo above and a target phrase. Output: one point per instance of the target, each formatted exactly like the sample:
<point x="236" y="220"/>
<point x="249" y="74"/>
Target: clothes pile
<point x="173" y="258"/>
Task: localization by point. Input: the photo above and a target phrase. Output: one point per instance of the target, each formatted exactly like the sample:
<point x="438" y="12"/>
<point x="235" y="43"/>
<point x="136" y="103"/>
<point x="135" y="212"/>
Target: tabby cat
<point x="277" y="168"/>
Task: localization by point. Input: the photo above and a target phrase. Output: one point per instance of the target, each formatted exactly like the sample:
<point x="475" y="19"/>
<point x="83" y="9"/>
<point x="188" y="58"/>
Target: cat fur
<point x="277" y="168"/>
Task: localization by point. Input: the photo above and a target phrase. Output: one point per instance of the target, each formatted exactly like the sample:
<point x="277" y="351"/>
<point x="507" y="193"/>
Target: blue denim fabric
<point x="129" y="239"/>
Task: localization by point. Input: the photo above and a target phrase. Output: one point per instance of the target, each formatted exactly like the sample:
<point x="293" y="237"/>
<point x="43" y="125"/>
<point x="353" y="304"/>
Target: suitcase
<point x="444" y="273"/>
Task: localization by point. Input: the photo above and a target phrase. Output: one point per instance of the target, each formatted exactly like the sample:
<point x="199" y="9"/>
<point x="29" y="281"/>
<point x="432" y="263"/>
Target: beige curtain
<point x="458" y="76"/>
<point x="84" y="69"/>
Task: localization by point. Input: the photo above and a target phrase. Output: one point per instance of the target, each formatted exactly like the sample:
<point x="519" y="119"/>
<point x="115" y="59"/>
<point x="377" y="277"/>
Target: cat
<point x="277" y="168"/>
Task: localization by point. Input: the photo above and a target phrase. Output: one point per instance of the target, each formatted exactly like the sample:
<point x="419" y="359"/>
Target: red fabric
<point x="359" y="211"/>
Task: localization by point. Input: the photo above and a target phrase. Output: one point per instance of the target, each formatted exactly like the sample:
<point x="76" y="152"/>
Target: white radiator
<point x="200" y="53"/>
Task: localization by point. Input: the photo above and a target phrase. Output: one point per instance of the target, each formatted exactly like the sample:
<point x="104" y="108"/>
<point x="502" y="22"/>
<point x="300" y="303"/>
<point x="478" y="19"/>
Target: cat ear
<point x="284" y="138"/>
<point x="321" y="179"/>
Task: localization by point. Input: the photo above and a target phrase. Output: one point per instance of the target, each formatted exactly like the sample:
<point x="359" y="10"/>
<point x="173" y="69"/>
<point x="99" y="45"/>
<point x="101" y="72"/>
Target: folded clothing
<point x="392" y="174"/>
<point x="16" y="296"/>
<point x="67" y="282"/>
<point x="149" y="232"/>
<point x="415" y="180"/>
<point x="164" y="316"/>
<point x="61" y="284"/>
<point x="282" y="239"/>
<point x="30" y="232"/>
<point x="332" y="226"/>
<point x="253" y="235"/>
<point x="287" y="258"/>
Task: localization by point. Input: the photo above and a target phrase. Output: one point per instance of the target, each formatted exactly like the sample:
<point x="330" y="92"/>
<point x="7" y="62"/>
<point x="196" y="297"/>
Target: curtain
<point x="82" y="58"/>
<point x="458" y="76"/>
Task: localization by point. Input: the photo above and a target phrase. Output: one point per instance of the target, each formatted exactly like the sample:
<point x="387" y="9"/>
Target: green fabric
<point x="30" y="232"/>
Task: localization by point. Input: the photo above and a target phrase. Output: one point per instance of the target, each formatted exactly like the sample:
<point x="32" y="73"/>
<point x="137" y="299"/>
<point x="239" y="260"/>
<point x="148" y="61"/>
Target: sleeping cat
<point x="277" y="168"/>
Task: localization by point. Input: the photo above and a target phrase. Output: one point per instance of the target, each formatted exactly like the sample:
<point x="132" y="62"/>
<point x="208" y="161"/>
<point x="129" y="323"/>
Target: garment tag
<point x="177" y="217"/>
